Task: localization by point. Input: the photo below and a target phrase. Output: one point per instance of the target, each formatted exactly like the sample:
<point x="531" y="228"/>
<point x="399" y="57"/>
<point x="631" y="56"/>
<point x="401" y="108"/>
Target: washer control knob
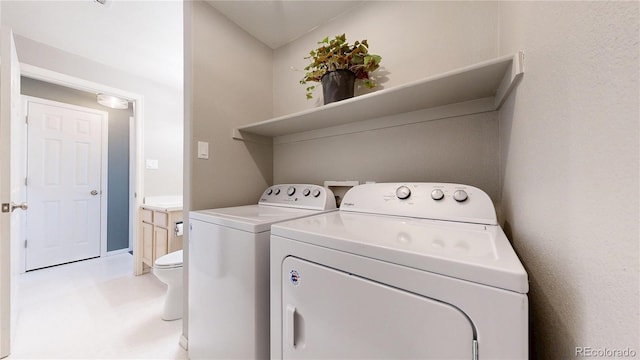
<point x="460" y="195"/>
<point x="403" y="192"/>
<point x="270" y="191"/>
<point x="316" y="193"/>
<point x="437" y="194"/>
<point x="306" y="192"/>
<point x="291" y="190"/>
<point x="277" y="191"/>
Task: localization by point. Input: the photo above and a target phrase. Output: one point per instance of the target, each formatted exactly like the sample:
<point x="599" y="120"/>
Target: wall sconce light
<point x="113" y="102"/>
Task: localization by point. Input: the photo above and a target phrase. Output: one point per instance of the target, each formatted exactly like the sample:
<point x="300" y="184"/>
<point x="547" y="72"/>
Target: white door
<point x="64" y="174"/>
<point x="12" y="190"/>
<point x="330" y="314"/>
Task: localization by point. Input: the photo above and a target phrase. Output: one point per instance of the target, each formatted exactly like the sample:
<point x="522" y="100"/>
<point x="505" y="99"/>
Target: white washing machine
<point x="229" y="270"/>
<point x="402" y="271"/>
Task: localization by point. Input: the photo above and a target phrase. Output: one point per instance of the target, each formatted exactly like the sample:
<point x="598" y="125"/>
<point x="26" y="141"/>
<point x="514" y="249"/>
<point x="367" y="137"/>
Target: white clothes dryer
<point x="229" y="270"/>
<point x="402" y="271"/>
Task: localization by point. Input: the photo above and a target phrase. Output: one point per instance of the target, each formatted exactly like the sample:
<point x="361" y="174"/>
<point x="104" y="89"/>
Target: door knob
<point x="94" y="192"/>
<point x="22" y="206"/>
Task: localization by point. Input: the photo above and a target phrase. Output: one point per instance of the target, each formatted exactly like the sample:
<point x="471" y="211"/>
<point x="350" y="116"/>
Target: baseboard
<point x="117" y="252"/>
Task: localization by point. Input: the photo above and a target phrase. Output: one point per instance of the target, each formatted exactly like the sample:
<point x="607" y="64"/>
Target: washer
<point x="229" y="270"/>
<point x="402" y="271"/>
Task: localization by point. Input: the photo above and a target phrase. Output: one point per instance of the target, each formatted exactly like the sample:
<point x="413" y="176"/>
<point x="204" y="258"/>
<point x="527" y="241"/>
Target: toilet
<point x="168" y="269"/>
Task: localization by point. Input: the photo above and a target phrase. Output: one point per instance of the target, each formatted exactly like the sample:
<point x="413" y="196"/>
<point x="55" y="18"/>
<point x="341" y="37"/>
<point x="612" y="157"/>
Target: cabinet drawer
<point x="146" y="215"/>
<point x="161" y="219"/>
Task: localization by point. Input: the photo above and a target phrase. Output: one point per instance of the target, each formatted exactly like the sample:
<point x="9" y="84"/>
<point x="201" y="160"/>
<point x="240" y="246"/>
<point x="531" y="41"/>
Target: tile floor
<point x="93" y="309"/>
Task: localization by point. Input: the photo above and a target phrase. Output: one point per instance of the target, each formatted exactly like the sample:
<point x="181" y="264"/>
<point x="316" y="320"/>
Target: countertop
<point x="163" y="203"/>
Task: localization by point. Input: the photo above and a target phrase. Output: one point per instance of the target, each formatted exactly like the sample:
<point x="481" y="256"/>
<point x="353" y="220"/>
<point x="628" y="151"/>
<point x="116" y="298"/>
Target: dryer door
<point x="330" y="314"/>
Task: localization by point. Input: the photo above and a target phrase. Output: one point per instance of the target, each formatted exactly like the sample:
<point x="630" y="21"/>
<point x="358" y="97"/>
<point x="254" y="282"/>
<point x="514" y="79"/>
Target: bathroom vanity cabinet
<point x="159" y="233"/>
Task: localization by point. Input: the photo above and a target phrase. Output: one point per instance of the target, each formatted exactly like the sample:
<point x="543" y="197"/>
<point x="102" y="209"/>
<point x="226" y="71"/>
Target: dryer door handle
<point x="290" y="324"/>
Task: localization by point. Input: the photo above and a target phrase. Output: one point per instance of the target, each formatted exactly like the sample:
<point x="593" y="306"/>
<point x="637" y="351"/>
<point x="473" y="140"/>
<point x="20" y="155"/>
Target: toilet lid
<point x="173" y="259"/>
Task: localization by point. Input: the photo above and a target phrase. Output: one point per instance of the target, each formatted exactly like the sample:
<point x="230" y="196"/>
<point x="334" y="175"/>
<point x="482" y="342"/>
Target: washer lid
<point x="173" y="259"/>
<point x="251" y="218"/>
<point x="472" y="252"/>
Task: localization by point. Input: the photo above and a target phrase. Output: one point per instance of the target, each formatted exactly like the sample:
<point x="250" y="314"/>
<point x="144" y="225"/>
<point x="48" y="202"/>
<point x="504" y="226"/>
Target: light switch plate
<point x="152" y="164"/>
<point x="203" y="150"/>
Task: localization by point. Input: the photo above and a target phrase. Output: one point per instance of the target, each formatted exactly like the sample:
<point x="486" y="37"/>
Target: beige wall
<point x="569" y="168"/>
<point x="462" y="149"/>
<point x="230" y="84"/>
<point x="228" y="81"/>
<point x="415" y="40"/>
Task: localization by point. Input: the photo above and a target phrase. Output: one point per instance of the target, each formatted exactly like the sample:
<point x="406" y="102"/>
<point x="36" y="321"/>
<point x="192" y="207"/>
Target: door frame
<point x="104" y="168"/>
<point x="12" y="189"/>
<point x="136" y="178"/>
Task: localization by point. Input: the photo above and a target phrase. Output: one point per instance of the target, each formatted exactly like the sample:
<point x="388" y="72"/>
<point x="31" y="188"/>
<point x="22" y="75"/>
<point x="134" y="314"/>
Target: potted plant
<point x="337" y="64"/>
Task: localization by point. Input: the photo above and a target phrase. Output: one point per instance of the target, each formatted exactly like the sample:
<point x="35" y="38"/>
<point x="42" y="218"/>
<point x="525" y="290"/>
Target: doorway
<point x="66" y="181"/>
<point x="120" y="143"/>
<point x="125" y="207"/>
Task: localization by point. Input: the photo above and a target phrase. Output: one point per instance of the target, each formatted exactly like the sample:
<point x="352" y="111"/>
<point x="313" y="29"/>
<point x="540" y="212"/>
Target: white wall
<point x="570" y="170"/>
<point x="415" y="40"/>
<point x="163" y="110"/>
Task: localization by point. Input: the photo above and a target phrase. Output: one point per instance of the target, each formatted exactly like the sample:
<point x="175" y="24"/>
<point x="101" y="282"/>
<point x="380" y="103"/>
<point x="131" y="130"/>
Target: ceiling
<point x="276" y="23"/>
<point x="140" y="37"/>
<point x="145" y="37"/>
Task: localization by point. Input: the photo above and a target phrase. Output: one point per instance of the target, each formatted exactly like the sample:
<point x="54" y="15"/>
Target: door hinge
<point x="26" y="181"/>
<point x="474" y="350"/>
<point x="26" y="119"/>
<point x="6" y="208"/>
<point x="25" y="243"/>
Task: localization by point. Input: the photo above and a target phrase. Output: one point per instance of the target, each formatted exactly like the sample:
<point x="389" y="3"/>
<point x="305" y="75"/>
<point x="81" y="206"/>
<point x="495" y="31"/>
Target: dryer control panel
<point x="301" y="196"/>
<point x="438" y="201"/>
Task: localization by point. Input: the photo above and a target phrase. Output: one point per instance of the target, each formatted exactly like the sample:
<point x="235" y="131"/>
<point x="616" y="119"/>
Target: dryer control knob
<point x="316" y="193"/>
<point x="291" y="190"/>
<point x="270" y="191"/>
<point x="403" y="192"/>
<point x="437" y="194"/>
<point x="460" y="195"/>
<point x="277" y="191"/>
<point x="306" y="192"/>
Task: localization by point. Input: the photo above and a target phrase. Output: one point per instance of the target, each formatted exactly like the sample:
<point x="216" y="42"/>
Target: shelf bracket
<point x="511" y="77"/>
<point x="238" y="134"/>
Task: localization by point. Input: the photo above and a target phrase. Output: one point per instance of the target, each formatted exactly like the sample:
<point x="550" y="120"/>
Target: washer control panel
<point x="438" y="201"/>
<point x="302" y="196"/>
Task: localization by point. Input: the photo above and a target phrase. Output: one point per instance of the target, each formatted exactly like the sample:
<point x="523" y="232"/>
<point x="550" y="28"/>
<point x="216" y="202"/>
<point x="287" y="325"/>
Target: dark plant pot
<point x="337" y="85"/>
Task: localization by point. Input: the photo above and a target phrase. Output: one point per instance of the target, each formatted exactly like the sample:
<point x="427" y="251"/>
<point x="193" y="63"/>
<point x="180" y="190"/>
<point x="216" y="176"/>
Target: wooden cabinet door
<point x="161" y="237"/>
<point x="147" y="244"/>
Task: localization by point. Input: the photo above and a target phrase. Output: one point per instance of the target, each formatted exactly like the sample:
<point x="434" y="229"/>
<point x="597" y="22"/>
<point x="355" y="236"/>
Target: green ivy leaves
<point x="337" y="54"/>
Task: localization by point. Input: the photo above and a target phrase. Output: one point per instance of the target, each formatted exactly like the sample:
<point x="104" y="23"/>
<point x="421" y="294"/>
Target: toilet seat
<point x="169" y="261"/>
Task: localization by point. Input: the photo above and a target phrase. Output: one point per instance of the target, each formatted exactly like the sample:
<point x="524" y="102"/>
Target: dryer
<point x="229" y="270"/>
<point x="402" y="271"/>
